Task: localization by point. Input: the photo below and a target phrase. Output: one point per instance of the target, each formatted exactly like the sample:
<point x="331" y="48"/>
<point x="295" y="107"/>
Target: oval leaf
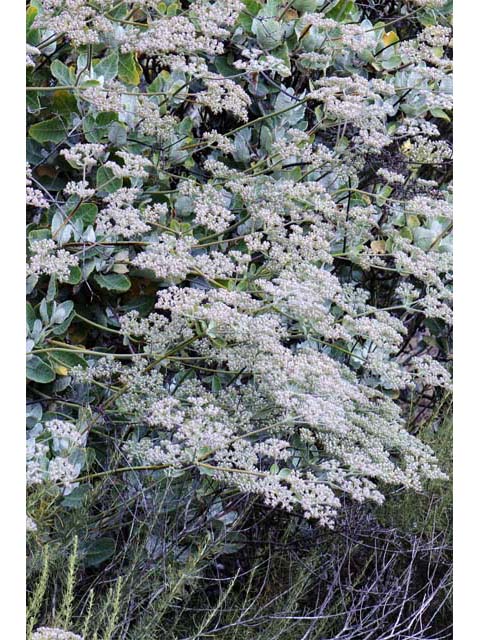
<point x="113" y="282"/>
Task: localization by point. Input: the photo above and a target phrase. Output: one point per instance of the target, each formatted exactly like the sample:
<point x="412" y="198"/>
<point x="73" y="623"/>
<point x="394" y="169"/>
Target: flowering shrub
<point x="239" y="245"/>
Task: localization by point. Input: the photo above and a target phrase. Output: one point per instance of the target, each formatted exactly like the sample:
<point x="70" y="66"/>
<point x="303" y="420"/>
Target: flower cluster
<point x="34" y="197"/>
<point x="48" y="259"/>
<point x="55" y="454"/>
<point x="248" y="208"/>
<point x="49" y="633"/>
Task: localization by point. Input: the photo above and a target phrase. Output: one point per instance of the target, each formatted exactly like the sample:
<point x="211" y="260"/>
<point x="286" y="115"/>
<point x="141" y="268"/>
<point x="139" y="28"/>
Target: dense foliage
<point x="239" y="318"/>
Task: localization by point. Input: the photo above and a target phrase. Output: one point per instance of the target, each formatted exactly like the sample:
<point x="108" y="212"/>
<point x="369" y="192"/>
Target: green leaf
<point x="33" y="101"/>
<point x="86" y="212"/>
<point x="245" y="21"/>
<point x="52" y="290"/>
<point x="269" y="33"/>
<point x="206" y="471"/>
<point x="185" y="126"/>
<point x="179" y="227"/>
<point x="30" y="17"/>
<point x="69" y="359"/>
<point x="61" y="312"/>
<point x="382" y="195"/>
<point x="117" y="134"/>
<point x="107" y="67"/>
<point x="31" y="317"/>
<point x="440" y="113"/>
<point x="157" y="85"/>
<point x="405" y="232"/>
<point x="39" y="234"/>
<point x="97" y="128"/>
<point x="39" y="371"/>
<point x="412" y="221"/>
<point x="52" y="130"/>
<point x="106" y="181"/>
<point x="305" y="5"/>
<point x="283" y="54"/>
<point x="222" y="65"/>
<point x="173" y="9"/>
<point x="119" y="11"/>
<point x="113" y="282"/>
<point x="392" y="62"/>
<point x="60" y="329"/>
<point x="341" y="10"/>
<point x="216" y="383"/>
<point x="34" y="151"/>
<point x="234" y="542"/>
<point x="143" y="304"/>
<point x="62" y="73"/>
<point x="129" y="70"/>
<point x="99" y="551"/>
<point x="64" y="103"/>
<point x="33" y="36"/>
<point x="75" y="275"/>
<point x="75" y="499"/>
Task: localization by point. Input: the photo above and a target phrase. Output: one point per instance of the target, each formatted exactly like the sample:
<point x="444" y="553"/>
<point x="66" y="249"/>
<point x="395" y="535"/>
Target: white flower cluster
<point x="62" y="471"/>
<point x="257" y="62"/>
<point x="49" y="260"/>
<point x="66" y="432"/>
<point x="36" y="461"/>
<point x="333" y="39"/>
<point x="210" y="205"/>
<point x="222" y="142"/>
<point x="170" y="258"/>
<point x="429" y="3"/>
<point x="82" y="24"/>
<point x="133" y="166"/>
<point x="391" y="176"/>
<point x="348" y="421"/>
<point x="283" y="231"/>
<point x="121" y="219"/>
<point x="431" y="267"/>
<point x="222" y="94"/>
<point x="101" y="369"/>
<point x="31" y="525"/>
<point x="31" y="53"/>
<point x="431" y="371"/>
<point x="41" y="468"/>
<point x="34" y="197"/>
<point x="84" y="155"/>
<point x="80" y="189"/>
<point x="353" y="100"/>
<point x="55" y="453"/>
<point x="50" y="633"/>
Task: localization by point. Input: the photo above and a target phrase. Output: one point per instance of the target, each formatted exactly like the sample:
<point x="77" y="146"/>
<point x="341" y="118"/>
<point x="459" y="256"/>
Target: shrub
<point x="239" y="265"/>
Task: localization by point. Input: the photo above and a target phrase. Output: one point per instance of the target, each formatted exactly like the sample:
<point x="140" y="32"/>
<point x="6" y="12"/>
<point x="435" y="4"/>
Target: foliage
<point x="239" y="312"/>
